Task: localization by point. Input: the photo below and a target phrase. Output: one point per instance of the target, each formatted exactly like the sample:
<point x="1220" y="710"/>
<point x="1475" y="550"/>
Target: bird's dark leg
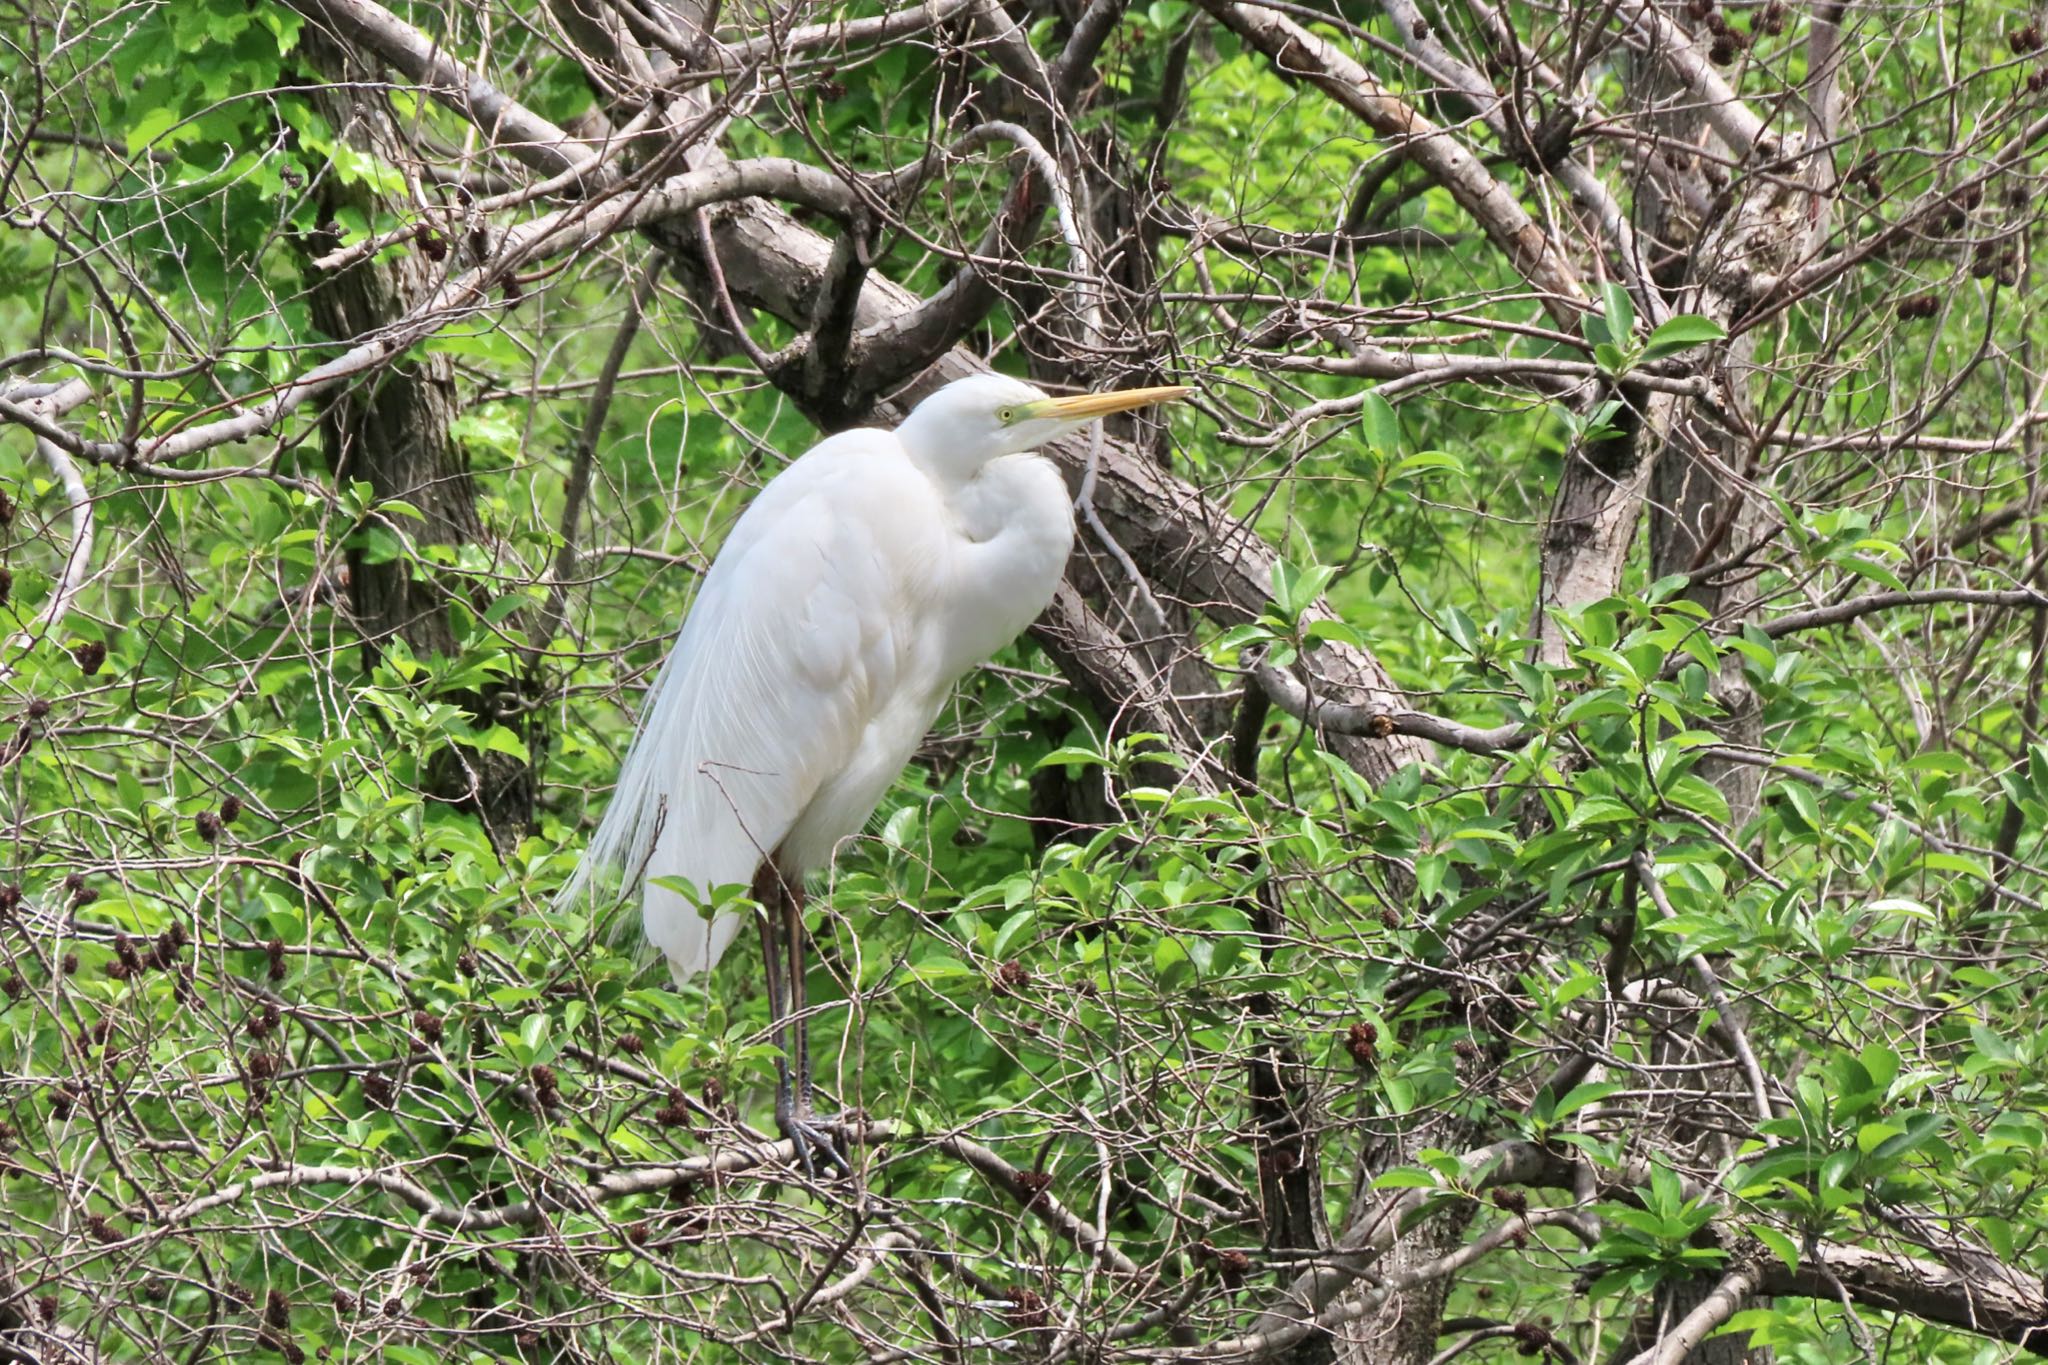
<point x="783" y="901"/>
<point x="767" y="893"/>
<point x="800" y="1026"/>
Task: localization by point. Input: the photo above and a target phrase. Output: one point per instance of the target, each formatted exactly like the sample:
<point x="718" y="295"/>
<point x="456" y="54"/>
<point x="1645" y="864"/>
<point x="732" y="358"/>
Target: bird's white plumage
<point x="858" y="587"/>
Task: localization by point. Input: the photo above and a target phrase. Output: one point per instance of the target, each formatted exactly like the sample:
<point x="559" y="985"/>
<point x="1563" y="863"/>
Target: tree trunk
<point x="392" y="430"/>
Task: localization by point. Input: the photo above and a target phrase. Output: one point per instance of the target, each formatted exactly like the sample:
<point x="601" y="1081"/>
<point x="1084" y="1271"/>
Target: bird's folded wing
<point x="764" y="697"/>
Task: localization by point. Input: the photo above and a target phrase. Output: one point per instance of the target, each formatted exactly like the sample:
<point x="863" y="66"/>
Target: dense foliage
<point x="1524" y="835"/>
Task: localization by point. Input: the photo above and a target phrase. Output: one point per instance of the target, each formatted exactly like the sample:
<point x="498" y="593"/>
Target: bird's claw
<point x="813" y="1139"/>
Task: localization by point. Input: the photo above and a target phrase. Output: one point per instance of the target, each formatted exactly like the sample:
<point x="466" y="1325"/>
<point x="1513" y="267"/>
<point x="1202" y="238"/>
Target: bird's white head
<point x="971" y="421"/>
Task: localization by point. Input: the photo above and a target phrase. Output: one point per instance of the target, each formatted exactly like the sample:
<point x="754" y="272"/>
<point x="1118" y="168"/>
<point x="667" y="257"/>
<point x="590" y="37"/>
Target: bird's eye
<point x="1006" y="415"/>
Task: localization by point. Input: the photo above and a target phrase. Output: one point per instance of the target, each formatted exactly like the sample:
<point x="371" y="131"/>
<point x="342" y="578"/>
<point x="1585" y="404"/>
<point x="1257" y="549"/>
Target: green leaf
<point x="1621" y="313"/>
<point x="146" y="130"/>
<point x="1378" y="424"/>
<point x="1780" y="1245"/>
<point x="1014" y="930"/>
<point x="1296" y="587"/>
<point x="1424" y="460"/>
<point x="1335" y="631"/>
<point x="1581" y="1096"/>
<point x="1682" y="333"/>
<point x="1865" y="567"/>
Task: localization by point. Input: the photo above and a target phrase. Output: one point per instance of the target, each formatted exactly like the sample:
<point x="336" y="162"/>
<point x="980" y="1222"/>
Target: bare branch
<point x="1298" y="53"/>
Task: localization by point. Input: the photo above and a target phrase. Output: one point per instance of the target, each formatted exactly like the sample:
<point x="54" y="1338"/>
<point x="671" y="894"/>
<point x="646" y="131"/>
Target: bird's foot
<point x="812" y="1136"/>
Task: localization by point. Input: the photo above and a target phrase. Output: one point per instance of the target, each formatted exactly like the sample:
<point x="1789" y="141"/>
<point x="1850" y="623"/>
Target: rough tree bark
<point x="392" y="429"/>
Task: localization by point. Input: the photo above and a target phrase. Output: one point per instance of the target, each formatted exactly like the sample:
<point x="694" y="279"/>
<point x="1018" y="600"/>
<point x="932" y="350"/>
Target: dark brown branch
<point x="2007" y="1306"/>
<point x="1304" y="56"/>
<point x="1837" y="613"/>
<point x="1380" y="722"/>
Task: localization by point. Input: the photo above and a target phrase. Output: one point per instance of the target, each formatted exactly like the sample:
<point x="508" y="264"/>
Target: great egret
<point x="862" y="583"/>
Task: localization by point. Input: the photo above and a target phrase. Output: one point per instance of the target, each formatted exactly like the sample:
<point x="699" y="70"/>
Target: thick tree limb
<point x="469" y="292"/>
<point x="1837" y="613"/>
<point x="2008" y="1306"/>
<point x="1297" y="53"/>
<point x="37" y="406"/>
<point x="1334" y="717"/>
<point x="1716" y="1308"/>
<point x="841" y="35"/>
<point x="511" y="126"/>
<point x="1737" y="124"/>
<point x="1506" y="122"/>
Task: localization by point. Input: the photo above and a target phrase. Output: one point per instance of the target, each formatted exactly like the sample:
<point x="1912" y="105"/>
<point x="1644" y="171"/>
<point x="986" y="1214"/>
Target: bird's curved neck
<point x="934" y="448"/>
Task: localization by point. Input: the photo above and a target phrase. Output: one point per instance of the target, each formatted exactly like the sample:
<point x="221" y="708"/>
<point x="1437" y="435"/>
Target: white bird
<point x="850" y="597"/>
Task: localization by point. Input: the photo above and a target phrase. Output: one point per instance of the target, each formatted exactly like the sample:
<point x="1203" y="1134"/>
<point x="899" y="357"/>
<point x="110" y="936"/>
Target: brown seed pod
<point x="427" y="1025"/>
<point x="631" y="1044"/>
<point x="1011" y="976"/>
<point x="1362" y="1042"/>
<point x="467" y="962"/>
<point x="89" y="657"/>
<point x="1027" y="1310"/>
<point x="275" y="948"/>
<point x="1232" y="1266"/>
<point x="1510" y="1200"/>
<point x="674" y="1114"/>
<point x="230" y="809"/>
<point x="206" y="825"/>
<point x="1031" y="1187"/>
<point x="277" y="1309"/>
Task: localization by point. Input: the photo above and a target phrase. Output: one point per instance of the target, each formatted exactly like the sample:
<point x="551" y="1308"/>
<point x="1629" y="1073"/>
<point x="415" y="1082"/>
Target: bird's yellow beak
<point x="1080" y="406"/>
